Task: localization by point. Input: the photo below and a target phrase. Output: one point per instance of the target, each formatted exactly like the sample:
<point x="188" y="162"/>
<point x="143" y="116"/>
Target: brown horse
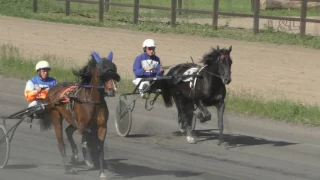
<point x="83" y="106"/>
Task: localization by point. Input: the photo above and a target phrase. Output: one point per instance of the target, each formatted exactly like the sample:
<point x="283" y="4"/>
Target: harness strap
<point x="64" y="97"/>
<point x="69" y="96"/>
<point x="194" y="80"/>
<point x="195" y="77"/>
<point x="73" y="115"/>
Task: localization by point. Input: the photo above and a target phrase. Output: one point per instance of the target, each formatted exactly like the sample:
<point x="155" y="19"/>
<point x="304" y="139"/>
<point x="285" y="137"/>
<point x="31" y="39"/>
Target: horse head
<point x="105" y="69"/>
<point x="107" y="72"/>
<point x="220" y="62"/>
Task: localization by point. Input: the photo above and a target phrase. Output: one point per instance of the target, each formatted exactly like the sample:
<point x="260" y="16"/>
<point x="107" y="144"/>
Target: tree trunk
<point x="285" y="4"/>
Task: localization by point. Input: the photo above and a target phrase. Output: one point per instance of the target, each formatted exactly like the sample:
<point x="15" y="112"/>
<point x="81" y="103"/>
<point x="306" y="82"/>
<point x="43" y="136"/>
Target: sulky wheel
<point x="123" y="118"/>
<point x="4" y="147"/>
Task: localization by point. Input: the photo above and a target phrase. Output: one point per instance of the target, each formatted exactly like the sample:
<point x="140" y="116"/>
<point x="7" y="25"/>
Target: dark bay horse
<point x="85" y="109"/>
<point x="207" y="88"/>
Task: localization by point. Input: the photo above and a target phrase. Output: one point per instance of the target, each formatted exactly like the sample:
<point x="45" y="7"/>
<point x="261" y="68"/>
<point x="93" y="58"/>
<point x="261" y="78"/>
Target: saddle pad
<point x="189" y="72"/>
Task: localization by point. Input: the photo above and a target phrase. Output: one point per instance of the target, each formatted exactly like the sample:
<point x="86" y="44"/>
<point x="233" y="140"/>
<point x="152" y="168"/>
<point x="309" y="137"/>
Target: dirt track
<point x="258" y="149"/>
<point x="291" y="70"/>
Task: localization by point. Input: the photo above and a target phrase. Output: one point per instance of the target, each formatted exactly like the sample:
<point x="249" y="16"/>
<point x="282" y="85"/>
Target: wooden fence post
<point x="101" y="10"/>
<point x="303" y="17"/>
<point x="215" y="14"/>
<point x="35" y="6"/>
<point x="136" y="12"/>
<point x="67" y="7"/>
<point x="179" y="6"/>
<point x="256" y="16"/>
<point x="106" y="7"/>
<point x="173" y="12"/>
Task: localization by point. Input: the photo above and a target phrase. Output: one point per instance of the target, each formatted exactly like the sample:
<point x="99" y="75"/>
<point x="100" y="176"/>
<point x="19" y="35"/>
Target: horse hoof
<point x="89" y="164"/>
<point x="75" y="160"/>
<point x="191" y="140"/>
<point x="221" y="143"/>
<point x="203" y="120"/>
<point x="103" y="176"/>
<point x="182" y="131"/>
<point x="71" y="171"/>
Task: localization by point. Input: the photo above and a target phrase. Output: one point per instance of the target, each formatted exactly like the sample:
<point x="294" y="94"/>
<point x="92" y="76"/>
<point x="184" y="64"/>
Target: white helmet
<point x="42" y="64"/>
<point x="148" y="43"/>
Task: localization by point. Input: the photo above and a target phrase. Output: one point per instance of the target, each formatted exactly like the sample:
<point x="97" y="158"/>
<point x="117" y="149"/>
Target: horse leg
<point x="57" y="124"/>
<point x="102" y="131"/>
<point x="181" y="116"/>
<point x="220" y="111"/>
<point x="188" y="111"/>
<point x="204" y="115"/>
<point x="69" y="131"/>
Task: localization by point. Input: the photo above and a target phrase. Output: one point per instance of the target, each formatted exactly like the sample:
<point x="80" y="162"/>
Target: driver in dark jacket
<point x="146" y="65"/>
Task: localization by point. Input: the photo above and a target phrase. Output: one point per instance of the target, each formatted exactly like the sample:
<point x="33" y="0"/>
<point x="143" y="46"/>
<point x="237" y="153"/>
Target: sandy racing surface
<point x="259" y="149"/>
<point x="290" y="70"/>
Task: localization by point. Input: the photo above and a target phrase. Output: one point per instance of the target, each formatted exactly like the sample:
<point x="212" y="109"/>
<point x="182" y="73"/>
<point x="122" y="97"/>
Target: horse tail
<point x="46" y="121"/>
<point x="166" y="94"/>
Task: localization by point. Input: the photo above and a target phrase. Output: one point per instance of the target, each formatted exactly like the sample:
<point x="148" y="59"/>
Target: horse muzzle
<point x="226" y="80"/>
<point x="110" y="92"/>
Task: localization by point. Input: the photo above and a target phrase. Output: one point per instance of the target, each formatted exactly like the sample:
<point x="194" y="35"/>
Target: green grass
<point x="12" y="64"/>
<point x="119" y="17"/>
<point x="279" y="109"/>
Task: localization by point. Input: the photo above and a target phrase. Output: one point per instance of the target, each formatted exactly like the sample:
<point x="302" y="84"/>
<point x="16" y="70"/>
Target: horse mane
<point x="106" y="65"/>
<point x="85" y="73"/>
<point x="212" y="56"/>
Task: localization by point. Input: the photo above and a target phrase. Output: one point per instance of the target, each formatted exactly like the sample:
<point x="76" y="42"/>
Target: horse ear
<point x="110" y="56"/>
<point x="230" y="49"/>
<point x="96" y="56"/>
<point x="218" y="48"/>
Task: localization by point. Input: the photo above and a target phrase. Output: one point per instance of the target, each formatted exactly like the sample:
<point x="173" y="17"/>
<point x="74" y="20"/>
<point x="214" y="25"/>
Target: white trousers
<point x="35" y="103"/>
<point x="136" y="82"/>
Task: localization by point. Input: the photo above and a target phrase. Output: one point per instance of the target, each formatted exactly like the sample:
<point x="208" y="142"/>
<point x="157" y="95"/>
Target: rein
<point x="72" y="93"/>
<point x="202" y="69"/>
<point x="87" y="87"/>
<point x="212" y="74"/>
<point x="90" y="86"/>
